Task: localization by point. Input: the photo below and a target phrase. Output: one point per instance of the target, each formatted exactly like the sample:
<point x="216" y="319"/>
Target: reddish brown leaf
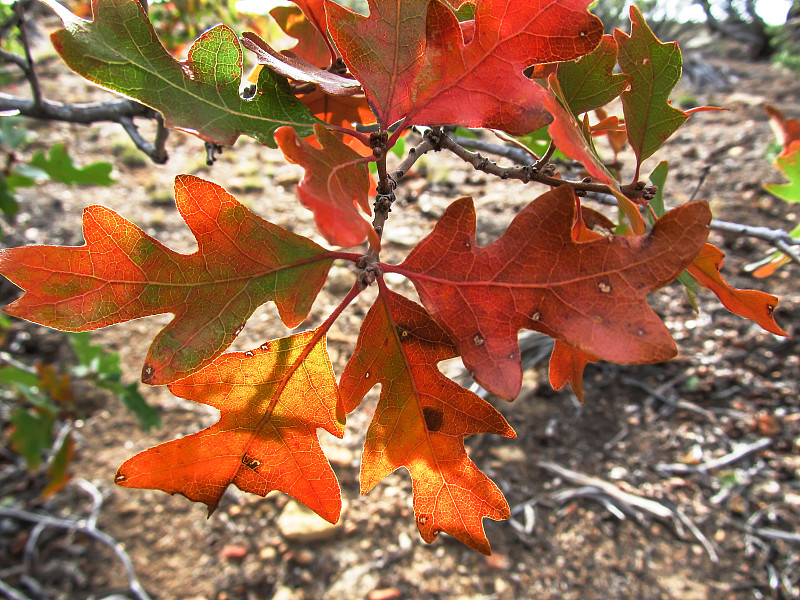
<point x="481" y="83"/>
<point x="421" y="421"/>
<point x="337" y="182"/>
<point x="567" y="365"/>
<point x="591" y="295"/>
<point x="122" y="273"/>
<point x="271" y="402"/>
<point x="751" y="304"/>
<point x="416" y="60"/>
<point x="315" y="13"/>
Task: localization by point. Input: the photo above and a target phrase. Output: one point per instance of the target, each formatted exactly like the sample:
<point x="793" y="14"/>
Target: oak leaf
<point x="590" y="82"/>
<point x="789" y="164"/>
<point x="567" y="365"/>
<point x="653" y="68"/>
<point x="591" y="295"/>
<point x="122" y="273"/>
<point x="119" y="50"/>
<point x="313" y="44"/>
<point x="421" y="421"/>
<point x="752" y="304"/>
<point x="336" y="185"/>
<point x="271" y="400"/>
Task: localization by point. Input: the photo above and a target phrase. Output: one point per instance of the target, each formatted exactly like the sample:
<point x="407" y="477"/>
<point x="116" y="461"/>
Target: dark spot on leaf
<point x="367" y="375"/>
<point x="536" y="316"/>
<point x="422" y="519"/>
<point x="478" y="340"/>
<point x="604" y="286"/>
<point x="252" y="463"/>
<point x="770" y="310"/>
<point x="434" y="418"/>
<point x="147" y="373"/>
<point x="119" y="478"/>
<point x="403" y="334"/>
<point x="265" y="346"/>
<point x="249" y="353"/>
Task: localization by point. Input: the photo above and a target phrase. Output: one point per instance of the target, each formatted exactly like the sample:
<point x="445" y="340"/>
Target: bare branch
<point x="738" y="453"/>
<point x="157" y="155"/>
<point x="83" y="113"/>
<point x="30" y="72"/>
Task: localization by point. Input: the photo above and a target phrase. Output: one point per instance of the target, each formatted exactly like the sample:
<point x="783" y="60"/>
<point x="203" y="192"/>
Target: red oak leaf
<point x="421" y="421"/>
<point x="337" y="182"/>
<point x="271" y="402"/>
<point x="314" y="11"/>
<point x="591" y="295"/>
<point x="383" y="51"/>
<point x="122" y="273"/>
<point x="786" y="130"/>
<point x="481" y="83"/>
<point x="430" y="73"/>
<point x="751" y="304"/>
<point x="567" y="365"/>
<point x="342" y="111"/>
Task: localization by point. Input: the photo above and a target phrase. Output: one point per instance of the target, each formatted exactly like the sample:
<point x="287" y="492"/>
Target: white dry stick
<point x="629" y="500"/>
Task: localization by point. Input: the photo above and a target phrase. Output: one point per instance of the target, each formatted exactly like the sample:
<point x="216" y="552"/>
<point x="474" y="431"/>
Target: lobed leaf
<point x="567" y="365"/>
<point x="751" y="304"/>
<point x="336" y="185"/>
<point x="271" y="400"/>
<point x="312" y="43"/>
<point x="654" y="68"/>
<point x="421" y="421"/>
<point x="589" y="82"/>
<point x="122" y="273"/>
<point x="789" y="164"/>
<point x="119" y="50"/>
<point x="591" y="295"/>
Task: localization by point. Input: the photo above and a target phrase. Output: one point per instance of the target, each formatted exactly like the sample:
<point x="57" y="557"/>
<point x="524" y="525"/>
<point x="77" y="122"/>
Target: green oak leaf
<point x="789" y="164"/>
<point x="589" y="82"/>
<point x="58" y="166"/>
<point x="654" y="69"/>
<point x="119" y="51"/>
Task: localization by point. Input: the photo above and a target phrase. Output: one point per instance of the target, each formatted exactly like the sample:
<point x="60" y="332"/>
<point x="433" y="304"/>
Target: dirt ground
<point x="719" y="533"/>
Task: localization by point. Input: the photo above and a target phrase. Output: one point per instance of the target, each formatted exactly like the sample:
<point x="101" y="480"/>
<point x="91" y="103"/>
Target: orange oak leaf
<point x="336" y="184"/>
<point x="122" y="273"/>
<point x="271" y="400"/>
<point x="591" y="295"/>
<point x="421" y="421"/>
<point x="312" y="45"/>
<point x="751" y="304"/>
<point x="567" y="365"/>
<point x="786" y="130"/>
<point x="314" y="11"/>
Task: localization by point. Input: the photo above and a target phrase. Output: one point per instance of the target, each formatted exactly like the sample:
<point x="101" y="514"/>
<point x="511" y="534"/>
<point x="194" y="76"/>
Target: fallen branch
<point x="627" y="502"/>
<point x="86" y="526"/>
<point x="738" y="453"/>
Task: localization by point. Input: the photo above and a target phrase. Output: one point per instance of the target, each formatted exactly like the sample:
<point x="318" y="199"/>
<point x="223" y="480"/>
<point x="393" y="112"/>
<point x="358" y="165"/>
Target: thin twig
<point x="738" y="453"/>
<point x="81" y="525"/>
<point x="12" y="593"/>
<point x="30" y="73"/>
<point x="10" y="57"/>
<point x="84" y="113"/>
<point x="157" y="155"/>
<point x="528" y="172"/>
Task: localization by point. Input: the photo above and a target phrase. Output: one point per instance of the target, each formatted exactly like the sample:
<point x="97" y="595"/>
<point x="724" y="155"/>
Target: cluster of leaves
<point x="46" y="406"/>
<point x="787" y="161"/>
<point x="55" y="165"/>
<point x="560" y="268"/>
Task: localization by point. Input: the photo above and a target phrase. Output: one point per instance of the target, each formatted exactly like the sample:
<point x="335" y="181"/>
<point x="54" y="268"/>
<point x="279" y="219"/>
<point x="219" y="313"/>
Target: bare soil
<point x="732" y="384"/>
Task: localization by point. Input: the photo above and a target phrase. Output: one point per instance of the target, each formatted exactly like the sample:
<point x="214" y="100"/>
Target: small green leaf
<point x="59" y="167"/>
<point x="32" y="435"/>
<point x="120" y="51"/>
<point x="589" y="82"/>
<point x="659" y="179"/>
<point x="57" y="468"/>
<point x="15" y="376"/>
<point x="654" y="68"/>
<point x="8" y="203"/>
<point x="538" y="141"/>
<point x="133" y="402"/>
<point x="789" y="164"/>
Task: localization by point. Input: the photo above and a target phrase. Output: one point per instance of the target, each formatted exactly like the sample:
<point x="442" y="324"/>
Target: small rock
<point x="284" y="593"/>
<point x="357" y="577"/>
<point x="340" y="280"/>
<point x="303" y="558"/>
<point x="403" y="236"/>
<point x="500" y="586"/>
<point x="385" y="594"/>
<point x="300" y="524"/>
<point x="267" y="553"/>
